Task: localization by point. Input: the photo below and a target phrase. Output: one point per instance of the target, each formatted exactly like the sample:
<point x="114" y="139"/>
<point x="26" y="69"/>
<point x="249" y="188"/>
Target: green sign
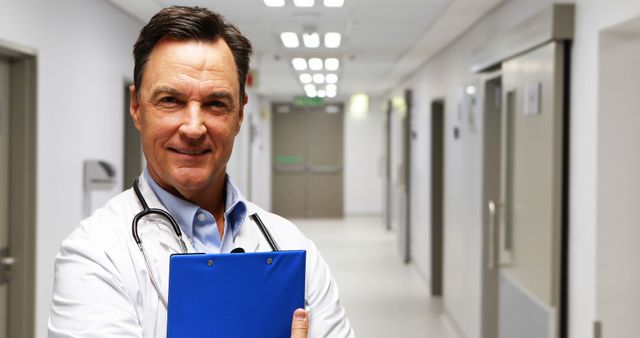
<point x="304" y="101"/>
<point x="289" y="159"/>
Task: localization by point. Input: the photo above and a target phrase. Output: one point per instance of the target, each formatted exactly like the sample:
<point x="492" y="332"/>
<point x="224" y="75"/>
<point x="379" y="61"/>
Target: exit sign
<point x="304" y="101"/>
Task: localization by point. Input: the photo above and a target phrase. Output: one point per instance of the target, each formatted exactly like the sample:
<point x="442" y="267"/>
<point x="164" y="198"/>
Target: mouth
<point x="190" y="152"/>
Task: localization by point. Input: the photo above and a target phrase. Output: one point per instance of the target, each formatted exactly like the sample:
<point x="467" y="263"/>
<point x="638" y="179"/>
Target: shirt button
<point x="201" y="217"/>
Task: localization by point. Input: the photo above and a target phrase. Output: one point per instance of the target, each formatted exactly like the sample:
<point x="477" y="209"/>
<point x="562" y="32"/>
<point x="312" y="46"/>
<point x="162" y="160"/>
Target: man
<point x="187" y="102"/>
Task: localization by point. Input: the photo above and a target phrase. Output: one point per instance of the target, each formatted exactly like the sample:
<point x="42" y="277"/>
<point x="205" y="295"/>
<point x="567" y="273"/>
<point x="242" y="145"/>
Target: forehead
<point x="196" y="60"/>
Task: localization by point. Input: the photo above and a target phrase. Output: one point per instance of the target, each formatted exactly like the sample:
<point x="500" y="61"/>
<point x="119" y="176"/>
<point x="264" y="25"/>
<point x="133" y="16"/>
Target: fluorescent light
<point x="311" y="40"/>
<point x="321" y="93"/>
<point x="333" y="3"/>
<point x="331" y="78"/>
<point x="332" y="40"/>
<point x="315" y="64"/>
<point x="305" y="78"/>
<point x="275" y="3"/>
<point x="318" y="78"/>
<point x="331" y="64"/>
<point x="290" y="39"/>
<point x="310" y="90"/>
<point x="299" y="63"/>
<point x="303" y="3"/>
<point x="359" y="105"/>
<point x="331" y="94"/>
<point x="331" y="88"/>
<point x="471" y="90"/>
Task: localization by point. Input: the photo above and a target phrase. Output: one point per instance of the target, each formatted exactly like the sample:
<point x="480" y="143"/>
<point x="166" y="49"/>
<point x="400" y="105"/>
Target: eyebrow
<point x="221" y="94"/>
<point x="166" y="90"/>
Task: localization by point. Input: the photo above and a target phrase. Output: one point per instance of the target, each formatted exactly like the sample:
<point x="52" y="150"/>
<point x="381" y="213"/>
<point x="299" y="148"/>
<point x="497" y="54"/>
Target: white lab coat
<point x="102" y="288"/>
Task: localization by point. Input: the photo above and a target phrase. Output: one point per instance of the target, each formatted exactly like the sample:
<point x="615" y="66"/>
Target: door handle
<point x="492" y="234"/>
<point x="6" y="262"/>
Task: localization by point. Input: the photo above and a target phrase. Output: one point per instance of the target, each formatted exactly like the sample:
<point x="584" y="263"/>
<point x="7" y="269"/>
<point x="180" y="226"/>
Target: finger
<point x="300" y="324"/>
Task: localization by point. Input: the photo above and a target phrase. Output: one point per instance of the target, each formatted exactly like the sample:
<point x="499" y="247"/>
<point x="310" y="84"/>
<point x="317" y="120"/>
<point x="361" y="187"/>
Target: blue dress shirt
<point x="198" y="224"/>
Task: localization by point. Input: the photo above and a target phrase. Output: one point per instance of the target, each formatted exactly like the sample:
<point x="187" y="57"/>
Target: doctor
<point x="187" y="102"/>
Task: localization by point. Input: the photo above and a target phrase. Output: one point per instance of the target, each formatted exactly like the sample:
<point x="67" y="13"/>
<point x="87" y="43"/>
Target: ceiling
<point x="383" y="41"/>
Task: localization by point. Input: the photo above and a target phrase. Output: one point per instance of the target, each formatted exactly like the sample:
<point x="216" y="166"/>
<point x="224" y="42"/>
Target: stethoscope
<point x="176" y="229"/>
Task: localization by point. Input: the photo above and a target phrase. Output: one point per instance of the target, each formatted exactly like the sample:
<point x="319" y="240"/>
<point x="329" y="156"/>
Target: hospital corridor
<point x="319" y="168"/>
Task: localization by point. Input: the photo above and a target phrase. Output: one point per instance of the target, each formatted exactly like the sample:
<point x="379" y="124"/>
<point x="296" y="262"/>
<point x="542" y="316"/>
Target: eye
<point x="216" y="105"/>
<point x="168" y="99"/>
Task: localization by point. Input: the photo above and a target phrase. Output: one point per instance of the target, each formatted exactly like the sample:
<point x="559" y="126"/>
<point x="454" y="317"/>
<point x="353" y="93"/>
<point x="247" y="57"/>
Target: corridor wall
<point x="444" y="76"/>
<point x="84" y="58"/>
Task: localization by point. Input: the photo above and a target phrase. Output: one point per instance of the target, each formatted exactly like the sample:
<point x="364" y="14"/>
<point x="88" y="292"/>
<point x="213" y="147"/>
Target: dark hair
<point x="190" y="23"/>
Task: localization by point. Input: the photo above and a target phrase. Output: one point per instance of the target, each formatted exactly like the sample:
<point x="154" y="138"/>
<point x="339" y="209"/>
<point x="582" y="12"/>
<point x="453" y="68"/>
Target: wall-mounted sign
<point x="532" y="93"/>
<point x="304" y="101"/>
<point x="289" y="159"/>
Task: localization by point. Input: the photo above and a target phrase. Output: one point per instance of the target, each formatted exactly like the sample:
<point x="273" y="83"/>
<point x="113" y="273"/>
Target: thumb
<point x="300" y="324"/>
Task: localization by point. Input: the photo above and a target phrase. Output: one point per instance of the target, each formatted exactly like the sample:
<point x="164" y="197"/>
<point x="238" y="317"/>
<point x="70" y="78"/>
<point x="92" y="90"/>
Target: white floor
<point x="383" y="297"/>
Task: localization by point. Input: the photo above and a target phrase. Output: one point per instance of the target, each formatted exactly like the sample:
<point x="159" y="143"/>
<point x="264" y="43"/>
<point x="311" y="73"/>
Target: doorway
<point x="437" y="195"/>
<point x="307" y="159"/>
<point x="17" y="190"/>
<point x="133" y="158"/>
<point x="526" y="205"/>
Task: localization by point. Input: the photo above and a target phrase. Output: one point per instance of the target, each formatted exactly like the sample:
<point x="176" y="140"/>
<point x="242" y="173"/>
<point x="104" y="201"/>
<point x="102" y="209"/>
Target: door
<point x="491" y="194"/>
<point x="133" y="159"/>
<point x="531" y="208"/>
<point x="4" y="188"/>
<point x="437" y="195"/>
<point x="307" y="161"/>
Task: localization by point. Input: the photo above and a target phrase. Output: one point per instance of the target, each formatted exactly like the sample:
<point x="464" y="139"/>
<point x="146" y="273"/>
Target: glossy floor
<point x="383" y="297"/>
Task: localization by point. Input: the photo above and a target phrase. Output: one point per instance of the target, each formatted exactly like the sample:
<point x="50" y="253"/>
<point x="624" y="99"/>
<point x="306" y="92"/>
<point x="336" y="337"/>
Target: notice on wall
<point x="532" y="96"/>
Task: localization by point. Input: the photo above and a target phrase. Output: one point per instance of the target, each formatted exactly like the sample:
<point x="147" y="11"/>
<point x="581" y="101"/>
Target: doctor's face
<point x="188" y="112"/>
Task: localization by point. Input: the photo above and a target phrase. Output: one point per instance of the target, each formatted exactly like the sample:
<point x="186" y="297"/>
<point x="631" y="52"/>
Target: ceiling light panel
<point x="303" y="3"/>
<point x="331" y="78"/>
<point x="331" y="64"/>
<point x="332" y="40"/>
<point x="290" y="39"/>
<point x="333" y="3"/>
<point x="331" y="88"/>
<point x="274" y="3"/>
<point x="315" y="64"/>
<point x="318" y="78"/>
<point x="311" y="40"/>
<point x="321" y="93"/>
<point x="305" y="78"/>
<point x="299" y="64"/>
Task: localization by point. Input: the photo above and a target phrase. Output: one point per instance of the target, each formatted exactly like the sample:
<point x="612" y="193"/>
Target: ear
<point x="134" y="106"/>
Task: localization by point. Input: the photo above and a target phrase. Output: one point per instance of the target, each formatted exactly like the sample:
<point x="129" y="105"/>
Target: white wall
<point x="84" y="57"/>
<point x="363" y="152"/>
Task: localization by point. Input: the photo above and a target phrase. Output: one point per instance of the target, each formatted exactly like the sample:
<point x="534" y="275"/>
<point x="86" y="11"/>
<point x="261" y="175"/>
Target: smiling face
<point x="188" y="111"/>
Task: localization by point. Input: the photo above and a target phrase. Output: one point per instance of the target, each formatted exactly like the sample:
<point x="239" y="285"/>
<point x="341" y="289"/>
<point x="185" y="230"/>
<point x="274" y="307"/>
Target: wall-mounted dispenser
<point x="98" y="175"/>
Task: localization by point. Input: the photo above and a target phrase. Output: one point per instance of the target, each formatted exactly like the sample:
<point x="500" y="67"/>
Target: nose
<point x="193" y="125"/>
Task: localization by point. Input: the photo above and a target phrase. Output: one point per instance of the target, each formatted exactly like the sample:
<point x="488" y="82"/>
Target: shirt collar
<point x="185" y="211"/>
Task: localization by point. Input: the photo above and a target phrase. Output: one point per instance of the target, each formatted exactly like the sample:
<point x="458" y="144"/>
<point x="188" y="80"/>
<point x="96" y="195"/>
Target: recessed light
<point x="290" y="39"/>
<point x="331" y="78"/>
<point x="332" y="40"/>
<point x="315" y="64"/>
<point x="331" y="88"/>
<point x="333" y="3"/>
<point x="331" y="64"/>
<point x="305" y="78"/>
<point x="331" y="94"/>
<point x="303" y="3"/>
<point x="275" y="3"/>
<point x="318" y="78"/>
<point x="299" y="63"/>
<point x="311" y="40"/>
<point x="321" y="93"/>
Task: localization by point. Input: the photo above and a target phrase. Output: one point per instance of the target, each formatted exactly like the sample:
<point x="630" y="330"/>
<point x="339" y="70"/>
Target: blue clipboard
<point x="238" y="295"/>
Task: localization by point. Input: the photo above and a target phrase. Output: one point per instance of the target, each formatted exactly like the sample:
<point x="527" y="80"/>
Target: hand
<point x="300" y="324"/>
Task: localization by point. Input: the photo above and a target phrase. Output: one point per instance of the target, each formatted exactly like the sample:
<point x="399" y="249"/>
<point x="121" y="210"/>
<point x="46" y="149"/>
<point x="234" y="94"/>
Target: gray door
<point x="531" y="208"/>
<point x="491" y="194"/>
<point x="307" y="161"/>
<point x="437" y="196"/>
<point x="133" y="158"/>
<point x="4" y="186"/>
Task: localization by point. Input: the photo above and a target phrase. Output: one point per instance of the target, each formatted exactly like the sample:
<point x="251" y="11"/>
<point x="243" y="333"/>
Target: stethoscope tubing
<point x="176" y="228"/>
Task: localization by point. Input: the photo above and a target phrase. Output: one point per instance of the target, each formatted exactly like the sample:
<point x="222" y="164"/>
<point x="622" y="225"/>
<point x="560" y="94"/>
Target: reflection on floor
<point x="383" y="297"/>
